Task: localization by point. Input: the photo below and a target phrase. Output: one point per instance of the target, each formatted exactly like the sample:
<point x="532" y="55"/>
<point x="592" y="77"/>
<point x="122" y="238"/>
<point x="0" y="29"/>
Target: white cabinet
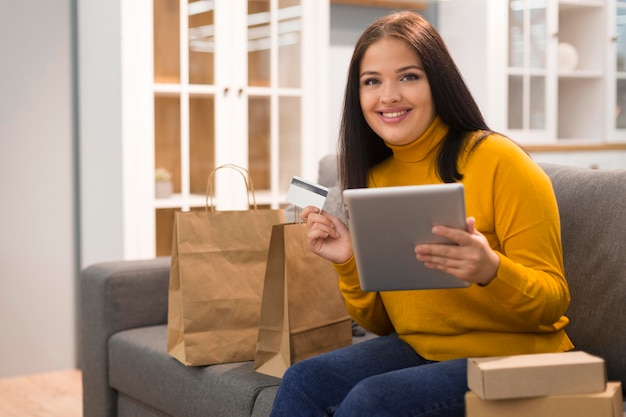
<point x="543" y="71"/>
<point x="584" y="158"/>
<point x="203" y="83"/>
<point x="617" y="88"/>
<point x="248" y="89"/>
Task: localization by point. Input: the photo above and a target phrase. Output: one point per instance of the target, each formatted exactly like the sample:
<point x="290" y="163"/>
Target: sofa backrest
<point x="592" y="207"/>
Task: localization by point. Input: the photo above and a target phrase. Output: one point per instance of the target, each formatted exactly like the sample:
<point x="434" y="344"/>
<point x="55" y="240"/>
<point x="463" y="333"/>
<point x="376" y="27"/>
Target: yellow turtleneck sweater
<point x="521" y="310"/>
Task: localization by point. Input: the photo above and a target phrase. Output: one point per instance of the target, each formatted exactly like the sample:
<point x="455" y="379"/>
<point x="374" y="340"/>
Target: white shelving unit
<point x="509" y="55"/>
<point x="247" y="91"/>
<point x="617" y="87"/>
<point x="189" y="85"/>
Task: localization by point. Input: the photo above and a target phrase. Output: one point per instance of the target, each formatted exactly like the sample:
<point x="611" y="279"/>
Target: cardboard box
<point x="536" y="375"/>
<point x="604" y="404"/>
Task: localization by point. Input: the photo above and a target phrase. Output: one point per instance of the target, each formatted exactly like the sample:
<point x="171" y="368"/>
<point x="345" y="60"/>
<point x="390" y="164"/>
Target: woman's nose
<point x="390" y="94"/>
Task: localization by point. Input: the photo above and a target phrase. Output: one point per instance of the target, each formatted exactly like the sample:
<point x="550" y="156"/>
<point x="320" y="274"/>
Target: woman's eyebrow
<point x="369" y="73"/>
<point x="399" y="70"/>
<point x="410" y="67"/>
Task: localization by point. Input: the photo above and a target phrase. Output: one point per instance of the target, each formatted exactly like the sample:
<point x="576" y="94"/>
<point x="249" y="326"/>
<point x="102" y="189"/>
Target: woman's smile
<point x="394" y="116"/>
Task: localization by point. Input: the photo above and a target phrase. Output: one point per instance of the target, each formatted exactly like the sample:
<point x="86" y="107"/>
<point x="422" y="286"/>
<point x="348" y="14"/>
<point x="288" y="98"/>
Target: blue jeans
<point x="379" y="377"/>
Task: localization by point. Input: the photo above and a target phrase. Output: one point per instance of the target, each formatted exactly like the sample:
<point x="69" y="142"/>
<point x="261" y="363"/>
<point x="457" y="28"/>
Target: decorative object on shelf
<point x="568" y="57"/>
<point x="163" y="187"/>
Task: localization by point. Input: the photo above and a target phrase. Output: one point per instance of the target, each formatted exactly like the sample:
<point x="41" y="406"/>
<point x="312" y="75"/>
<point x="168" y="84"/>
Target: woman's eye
<point x="371" y="81"/>
<point x="410" y="77"/>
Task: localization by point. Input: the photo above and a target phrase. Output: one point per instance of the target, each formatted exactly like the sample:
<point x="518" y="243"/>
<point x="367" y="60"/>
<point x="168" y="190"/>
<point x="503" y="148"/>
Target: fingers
<point x="304" y="214"/>
<point x="472" y="259"/>
<point x="452" y="260"/>
<point x="327" y="236"/>
<point x="471" y="225"/>
<point x="320" y="225"/>
<point x="458" y="236"/>
<point x="447" y="256"/>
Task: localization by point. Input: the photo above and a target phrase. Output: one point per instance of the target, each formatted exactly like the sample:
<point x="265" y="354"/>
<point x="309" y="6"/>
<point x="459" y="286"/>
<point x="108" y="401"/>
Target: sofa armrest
<point x="116" y="296"/>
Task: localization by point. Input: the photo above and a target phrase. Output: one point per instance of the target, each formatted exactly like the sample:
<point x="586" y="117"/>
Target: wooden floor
<point x="56" y="394"/>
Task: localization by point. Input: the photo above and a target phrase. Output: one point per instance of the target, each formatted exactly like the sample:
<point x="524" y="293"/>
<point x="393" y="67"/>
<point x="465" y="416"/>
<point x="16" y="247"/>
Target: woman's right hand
<point x="328" y="237"/>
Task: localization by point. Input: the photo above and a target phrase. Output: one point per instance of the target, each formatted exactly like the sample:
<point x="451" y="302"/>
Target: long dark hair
<point x="360" y="148"/>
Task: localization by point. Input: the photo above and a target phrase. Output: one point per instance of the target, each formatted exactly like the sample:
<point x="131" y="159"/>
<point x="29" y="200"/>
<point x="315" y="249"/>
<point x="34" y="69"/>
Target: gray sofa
<point x="127" y="371"/>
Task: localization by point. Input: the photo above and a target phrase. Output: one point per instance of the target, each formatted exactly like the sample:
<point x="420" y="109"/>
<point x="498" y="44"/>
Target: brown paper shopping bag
<point x="216" y="282"/>
<point x="303" y="313"/>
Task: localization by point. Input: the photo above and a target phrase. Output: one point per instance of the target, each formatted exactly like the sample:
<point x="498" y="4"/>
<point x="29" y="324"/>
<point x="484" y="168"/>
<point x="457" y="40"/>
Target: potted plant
<point x="163" y="187"/>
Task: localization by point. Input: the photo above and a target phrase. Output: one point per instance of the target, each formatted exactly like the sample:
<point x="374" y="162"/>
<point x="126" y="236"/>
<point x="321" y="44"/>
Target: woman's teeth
<point x="394" y="114"/>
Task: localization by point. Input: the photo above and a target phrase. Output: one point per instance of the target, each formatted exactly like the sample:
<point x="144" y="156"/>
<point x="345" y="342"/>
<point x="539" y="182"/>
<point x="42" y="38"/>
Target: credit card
<point x="303" y="193"/>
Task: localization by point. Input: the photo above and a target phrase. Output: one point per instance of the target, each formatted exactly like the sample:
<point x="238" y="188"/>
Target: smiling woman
<point x="409" y="119"/>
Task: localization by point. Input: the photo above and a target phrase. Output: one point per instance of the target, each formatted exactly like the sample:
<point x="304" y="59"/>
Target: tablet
<point x="385" y="225"/>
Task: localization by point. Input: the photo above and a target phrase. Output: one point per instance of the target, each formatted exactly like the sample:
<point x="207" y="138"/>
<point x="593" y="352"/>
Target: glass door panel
<point x="167" y="137"/>
<point x="289" y="43"/>
<point x="259" y="43"/>
<point x="537" y="103"/>
<point x="527" y="64"/>
<point x="621" y="37"/>
<point x="620" y="108"/>
<point x="516" y="34"/>
<point x="201" y="142"/>
<point x="259" y="142"/>
<point x="289" y="147"/>
<point x="538" y="35"/>
<point x="201" y="42"/>
<point x="516" y="102"/>
<point x="620" y="82"/>
<point x="166" y="41"/>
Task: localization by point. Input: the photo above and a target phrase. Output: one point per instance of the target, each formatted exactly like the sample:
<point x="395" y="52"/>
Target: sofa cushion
<point x="264" y="402"/>
<point x="592" y="207"/>
<point x="141" y="369"/>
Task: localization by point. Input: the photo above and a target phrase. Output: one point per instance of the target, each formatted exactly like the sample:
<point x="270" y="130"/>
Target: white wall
<point x="100" y="131"/>
<point x="472" y="53"/>
<point x="37" y="238"/>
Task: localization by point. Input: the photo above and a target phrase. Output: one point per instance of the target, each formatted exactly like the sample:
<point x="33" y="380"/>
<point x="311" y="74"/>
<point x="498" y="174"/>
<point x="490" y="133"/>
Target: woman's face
<point x="394" y="92"/>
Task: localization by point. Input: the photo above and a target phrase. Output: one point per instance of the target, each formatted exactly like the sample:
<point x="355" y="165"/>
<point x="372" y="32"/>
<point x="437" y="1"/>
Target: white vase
<point x="163" y="189"/>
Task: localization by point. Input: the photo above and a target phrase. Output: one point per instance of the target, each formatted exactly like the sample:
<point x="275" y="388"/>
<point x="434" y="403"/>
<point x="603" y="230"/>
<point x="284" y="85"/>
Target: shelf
<point x="176" y="201"/>
<point x="581" y="74"/>
<point x="166" y="89"/>
<point x="391" y="4"/>
<point x="280" y="91"/>
<point x="576" y="4"/>
<point x="578" y="147"/>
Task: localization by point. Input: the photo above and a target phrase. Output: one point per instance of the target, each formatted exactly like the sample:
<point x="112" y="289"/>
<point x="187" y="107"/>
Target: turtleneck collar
<point x="422" y="146"/>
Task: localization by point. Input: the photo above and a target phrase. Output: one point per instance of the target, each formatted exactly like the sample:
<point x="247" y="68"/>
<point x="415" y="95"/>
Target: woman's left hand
<point x="472" y="260"/>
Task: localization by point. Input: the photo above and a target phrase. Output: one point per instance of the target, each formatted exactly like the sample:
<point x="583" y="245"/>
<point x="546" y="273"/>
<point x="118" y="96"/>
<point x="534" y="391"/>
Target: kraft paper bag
<point x="216" y="284"/>
<point x="303" y="313"/>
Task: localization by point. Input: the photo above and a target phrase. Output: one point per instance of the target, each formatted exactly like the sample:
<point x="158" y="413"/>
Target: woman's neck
<point x="422" y="146"/>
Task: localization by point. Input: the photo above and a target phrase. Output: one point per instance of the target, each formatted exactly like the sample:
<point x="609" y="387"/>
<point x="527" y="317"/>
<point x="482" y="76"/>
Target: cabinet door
<point x="530" y="24"/>
<point x="557" y="74"/>
<point x="542" y="77"/>
<point x="616" y="93"/>
<point x="232" y="85"/>
<point x="582" y="71"/>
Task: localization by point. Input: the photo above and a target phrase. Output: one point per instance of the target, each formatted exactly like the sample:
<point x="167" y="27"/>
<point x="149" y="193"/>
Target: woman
<point x="409" y="119"/>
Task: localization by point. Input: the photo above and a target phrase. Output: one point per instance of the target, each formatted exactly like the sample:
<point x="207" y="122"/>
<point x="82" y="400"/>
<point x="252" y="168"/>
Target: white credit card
<point x="303" y="193"/>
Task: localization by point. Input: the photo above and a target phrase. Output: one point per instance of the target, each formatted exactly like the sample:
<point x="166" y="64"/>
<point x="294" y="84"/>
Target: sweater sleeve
<point x="525" y="228"/>
<point x="366" y="308"/>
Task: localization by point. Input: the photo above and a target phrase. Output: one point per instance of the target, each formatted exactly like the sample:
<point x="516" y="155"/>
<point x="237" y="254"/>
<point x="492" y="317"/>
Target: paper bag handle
<point x="246" y="178"/>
